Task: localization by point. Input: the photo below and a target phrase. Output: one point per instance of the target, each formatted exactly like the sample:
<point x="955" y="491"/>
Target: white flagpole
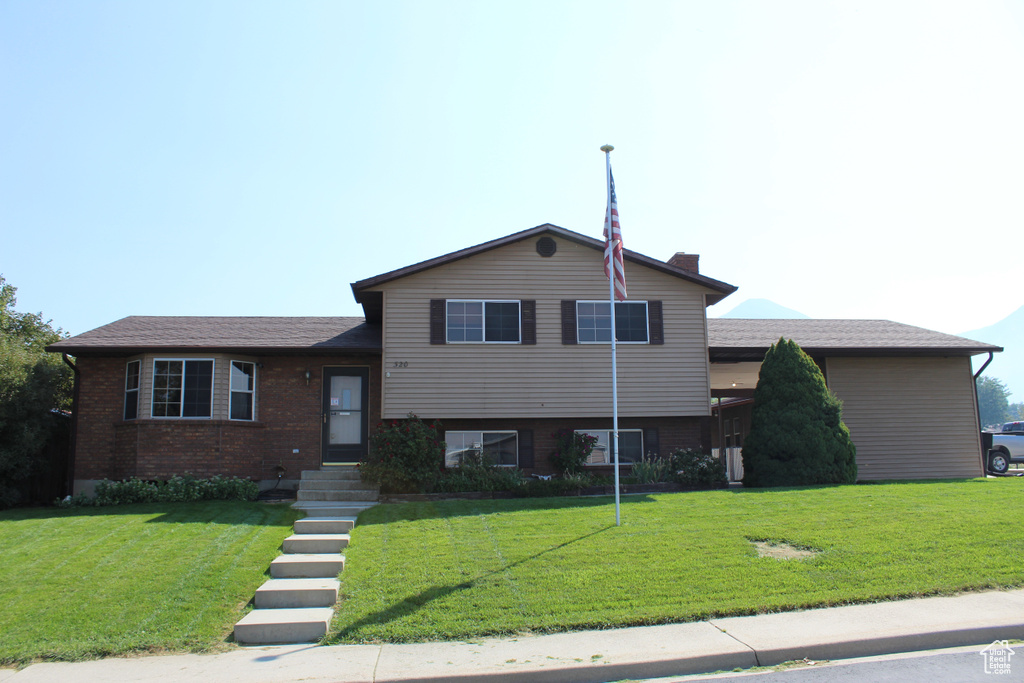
<point x="607" y="149"/>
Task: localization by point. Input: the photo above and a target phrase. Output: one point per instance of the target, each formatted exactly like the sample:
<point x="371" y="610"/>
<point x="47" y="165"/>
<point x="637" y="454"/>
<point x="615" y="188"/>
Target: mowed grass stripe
<point x="88" y="583"/>
<point x="501" y="567"/>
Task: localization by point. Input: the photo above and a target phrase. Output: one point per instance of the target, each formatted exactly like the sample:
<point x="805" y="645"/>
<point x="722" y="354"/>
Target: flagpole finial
<point x="606" y="148"/>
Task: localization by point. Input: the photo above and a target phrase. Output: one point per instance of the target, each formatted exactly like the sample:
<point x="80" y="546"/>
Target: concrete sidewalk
<point x="592" y="656"/>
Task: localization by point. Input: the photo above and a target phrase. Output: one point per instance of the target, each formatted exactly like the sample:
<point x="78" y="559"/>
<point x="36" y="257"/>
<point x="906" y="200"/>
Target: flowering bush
<point x="405" y="456"/>
<point x="571" y="451"/>
<point x="698" y="470"/>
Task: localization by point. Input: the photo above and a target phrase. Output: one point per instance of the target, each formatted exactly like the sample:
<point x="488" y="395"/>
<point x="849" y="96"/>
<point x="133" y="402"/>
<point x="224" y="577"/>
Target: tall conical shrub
<point x="797" y="436"/>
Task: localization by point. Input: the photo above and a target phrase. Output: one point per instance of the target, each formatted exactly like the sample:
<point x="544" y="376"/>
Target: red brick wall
<point x="288" y="418"/>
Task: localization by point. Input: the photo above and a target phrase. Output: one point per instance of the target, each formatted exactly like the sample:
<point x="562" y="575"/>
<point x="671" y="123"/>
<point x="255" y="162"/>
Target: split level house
<point x="504" y="343"/>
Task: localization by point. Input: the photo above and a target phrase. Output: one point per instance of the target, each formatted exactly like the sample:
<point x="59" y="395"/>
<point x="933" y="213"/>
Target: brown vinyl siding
<point x="910" y="418"/>
<point x="549" y="379"/>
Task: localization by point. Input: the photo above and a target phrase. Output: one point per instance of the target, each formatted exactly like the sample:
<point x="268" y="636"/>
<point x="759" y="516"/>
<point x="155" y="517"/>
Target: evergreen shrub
<point x="797" y="436"/>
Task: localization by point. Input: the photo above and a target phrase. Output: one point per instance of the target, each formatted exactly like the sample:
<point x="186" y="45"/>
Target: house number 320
<point x="401" y="364"/>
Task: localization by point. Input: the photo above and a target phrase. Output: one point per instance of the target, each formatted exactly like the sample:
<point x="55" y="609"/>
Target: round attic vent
<point x="546" y="246"/>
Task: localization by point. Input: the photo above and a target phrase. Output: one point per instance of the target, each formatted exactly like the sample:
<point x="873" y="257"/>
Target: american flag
<point x="613" y="242"/>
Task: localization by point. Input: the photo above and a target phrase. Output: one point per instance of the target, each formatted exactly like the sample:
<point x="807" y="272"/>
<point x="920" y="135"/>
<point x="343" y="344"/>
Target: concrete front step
<point x="315" y="543"/>
<point x="338" y="474"/>
<point x="307" y="566"/>
<point x="325" y="525"/>
<point x="337" y="496"/>
<point x="334" y="485"/>
<point x="326" y="508"/>
<point x="297" y="593"/>
<point x="277" y="626"/>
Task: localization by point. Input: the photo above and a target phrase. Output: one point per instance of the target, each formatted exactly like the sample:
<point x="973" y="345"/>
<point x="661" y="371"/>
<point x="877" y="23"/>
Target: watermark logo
<point x="997" y="657"/>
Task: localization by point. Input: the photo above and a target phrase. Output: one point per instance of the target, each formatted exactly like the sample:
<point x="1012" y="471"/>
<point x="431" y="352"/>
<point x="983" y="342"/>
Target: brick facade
<point x="289" y="410"/>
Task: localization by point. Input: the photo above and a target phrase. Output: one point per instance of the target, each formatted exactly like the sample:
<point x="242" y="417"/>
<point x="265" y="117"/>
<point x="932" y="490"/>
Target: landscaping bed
<point x="602" y="490"/>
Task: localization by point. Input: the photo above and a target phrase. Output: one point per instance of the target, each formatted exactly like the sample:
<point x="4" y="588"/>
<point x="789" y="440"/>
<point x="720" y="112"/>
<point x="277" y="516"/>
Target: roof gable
<point x="371" y="301"/>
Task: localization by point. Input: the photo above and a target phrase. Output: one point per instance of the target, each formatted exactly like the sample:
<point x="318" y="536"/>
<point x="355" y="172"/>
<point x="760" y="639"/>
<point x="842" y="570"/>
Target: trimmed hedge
<point x="178" y="489"/>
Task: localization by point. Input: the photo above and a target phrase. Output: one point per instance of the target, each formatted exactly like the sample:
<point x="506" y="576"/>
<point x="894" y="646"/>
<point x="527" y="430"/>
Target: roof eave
<point x="747" y="353"/>
<point x="247" y="350"/>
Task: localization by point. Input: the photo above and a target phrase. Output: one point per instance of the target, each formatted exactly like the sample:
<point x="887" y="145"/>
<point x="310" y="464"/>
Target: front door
<point x="344" y="415"/>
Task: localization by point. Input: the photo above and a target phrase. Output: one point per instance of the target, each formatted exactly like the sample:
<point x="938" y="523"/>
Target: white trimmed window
<point x="631" y="446"/>
<point x="594" y="322"/>
<point x="491" y="447"/>
<point x="182" y="387"/>
<point x="243" y="390"/>
<point x="131" y="389"/>
<point x="490" y="322"/>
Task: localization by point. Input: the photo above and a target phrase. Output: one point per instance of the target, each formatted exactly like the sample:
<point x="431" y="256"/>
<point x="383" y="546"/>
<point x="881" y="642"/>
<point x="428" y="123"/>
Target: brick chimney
<point x="685" y="261"/>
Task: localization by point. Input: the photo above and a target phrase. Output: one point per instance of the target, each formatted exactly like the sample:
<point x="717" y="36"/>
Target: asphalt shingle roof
<point x="728" y="336"/>
<point x="284" y="334"/>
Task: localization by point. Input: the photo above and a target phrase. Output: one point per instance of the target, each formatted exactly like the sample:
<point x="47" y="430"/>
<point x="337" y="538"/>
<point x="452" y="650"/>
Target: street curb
<point x="970" y="619"/>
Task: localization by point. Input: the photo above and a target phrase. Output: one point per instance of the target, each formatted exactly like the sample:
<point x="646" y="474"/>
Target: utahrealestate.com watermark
<point x="997" y="657"/>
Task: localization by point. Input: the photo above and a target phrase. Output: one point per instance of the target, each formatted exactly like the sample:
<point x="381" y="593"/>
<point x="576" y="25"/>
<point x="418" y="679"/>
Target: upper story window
<point x="243" y="389"/>
<point x="594" y="322"/>
<point x="483" y="321"/>
<point x="182" y="388"/>
<point x="131" y="389"/>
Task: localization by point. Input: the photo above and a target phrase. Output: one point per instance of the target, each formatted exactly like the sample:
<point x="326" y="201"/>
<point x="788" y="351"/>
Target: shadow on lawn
<point x="414" y="602"/>
<point x="436" y="509"/>
<point x="206" y="512"/>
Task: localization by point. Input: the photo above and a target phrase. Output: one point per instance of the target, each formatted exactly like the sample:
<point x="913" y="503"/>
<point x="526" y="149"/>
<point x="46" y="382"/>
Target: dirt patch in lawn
<point x="781" y="550"/>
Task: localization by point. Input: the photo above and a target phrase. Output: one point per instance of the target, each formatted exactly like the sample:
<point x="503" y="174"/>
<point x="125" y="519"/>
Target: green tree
<point x="33" y="384"/>
<point x="797" y="436"/>
<point x="993" y="405"/>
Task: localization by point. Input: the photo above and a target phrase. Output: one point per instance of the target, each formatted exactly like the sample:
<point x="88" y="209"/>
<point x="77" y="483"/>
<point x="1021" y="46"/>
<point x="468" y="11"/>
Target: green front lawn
<point x="464" y="569"/>
<point x="90" y="582"/>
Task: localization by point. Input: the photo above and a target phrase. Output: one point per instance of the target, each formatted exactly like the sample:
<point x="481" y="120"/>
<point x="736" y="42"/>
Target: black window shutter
<point x="526" y="448"/>
<point x="654" y="320"/>
<point x="651" y="442"/>
<point x="438" y="322"/>
<point x="529" y="318"/>
<point x="568" y="322"/>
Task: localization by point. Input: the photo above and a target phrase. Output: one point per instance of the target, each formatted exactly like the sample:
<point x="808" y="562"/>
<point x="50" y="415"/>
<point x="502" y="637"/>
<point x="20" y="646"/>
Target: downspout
<point x="977" y="410"/>
<point x="69" y="485"/>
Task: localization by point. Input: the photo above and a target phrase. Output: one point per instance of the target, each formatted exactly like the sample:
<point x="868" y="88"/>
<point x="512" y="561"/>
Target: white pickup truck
<point x="1007" y="446"/>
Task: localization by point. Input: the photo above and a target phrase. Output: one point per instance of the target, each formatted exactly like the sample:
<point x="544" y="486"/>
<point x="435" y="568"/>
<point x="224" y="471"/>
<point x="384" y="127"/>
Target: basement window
<point x="491" y="448"/>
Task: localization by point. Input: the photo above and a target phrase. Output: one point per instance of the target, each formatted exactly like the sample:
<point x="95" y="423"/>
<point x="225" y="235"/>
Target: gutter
<point x="977" y="409"/>
<point x="70" y="483"/>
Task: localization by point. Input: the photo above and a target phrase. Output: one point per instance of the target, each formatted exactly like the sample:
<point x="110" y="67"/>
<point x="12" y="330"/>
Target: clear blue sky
<point x="845" y="159"/>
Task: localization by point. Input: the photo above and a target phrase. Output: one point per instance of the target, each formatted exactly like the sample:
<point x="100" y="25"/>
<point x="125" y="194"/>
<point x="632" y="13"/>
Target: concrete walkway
<point x="592" y="656"/>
